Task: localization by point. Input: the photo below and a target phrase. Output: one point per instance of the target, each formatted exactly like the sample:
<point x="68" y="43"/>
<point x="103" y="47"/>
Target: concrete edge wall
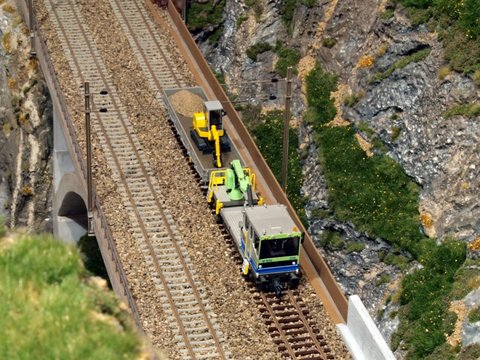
<point x="361" y="335"/>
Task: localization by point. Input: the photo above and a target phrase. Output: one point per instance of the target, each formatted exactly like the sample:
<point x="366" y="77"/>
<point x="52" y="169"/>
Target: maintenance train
<point x="266" y="237"/>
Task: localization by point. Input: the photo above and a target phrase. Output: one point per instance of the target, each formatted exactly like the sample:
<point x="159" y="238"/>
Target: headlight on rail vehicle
<point x="259" y="266"/>
<point x="294" y="262"/>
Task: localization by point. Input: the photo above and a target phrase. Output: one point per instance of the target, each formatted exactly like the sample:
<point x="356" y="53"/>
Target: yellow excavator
<point x="207" y="131"/>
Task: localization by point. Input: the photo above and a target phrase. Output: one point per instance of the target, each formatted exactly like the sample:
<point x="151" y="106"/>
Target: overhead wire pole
<point x="286" y="128"/>
<point x="32" y="30"/>
<point x="88" y="143"/>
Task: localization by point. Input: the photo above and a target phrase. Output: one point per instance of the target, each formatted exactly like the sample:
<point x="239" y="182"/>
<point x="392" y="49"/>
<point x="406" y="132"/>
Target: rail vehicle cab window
<point x="245" y="222"/>
<point x="216" y="119"/>
<point x="256" y="242"/>
<point x="279" y="247"/>
<point x="251" y="232"/>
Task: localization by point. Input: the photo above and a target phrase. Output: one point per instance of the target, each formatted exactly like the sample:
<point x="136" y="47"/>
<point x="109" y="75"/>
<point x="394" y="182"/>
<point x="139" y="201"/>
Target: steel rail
<point x="66" y="123"/>
<point x="129" y="193"/>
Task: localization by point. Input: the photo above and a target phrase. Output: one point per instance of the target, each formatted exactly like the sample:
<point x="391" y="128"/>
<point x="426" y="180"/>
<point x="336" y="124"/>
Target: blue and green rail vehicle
<point x="266" y="237"/>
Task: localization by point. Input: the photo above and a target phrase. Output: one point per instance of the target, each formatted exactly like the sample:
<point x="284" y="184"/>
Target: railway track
<point x="182" y="295"/>
<point x="295" y="334"/>
<point x="287" y="319"/>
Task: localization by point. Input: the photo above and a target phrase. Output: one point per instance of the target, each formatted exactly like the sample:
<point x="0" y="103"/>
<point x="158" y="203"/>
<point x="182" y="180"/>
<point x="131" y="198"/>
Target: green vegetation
<point x="372" y="192"/>
<point x="329" y="42"/>
<point x="267" y="130"/>
<point x="400" y="64"/>
<point x="241" y="19"/>
<point x="467" y="278"/>
<point x="383" y="279"/>
<point x="200" y="15"/>
<point x="286" y="57"/>
<point x="258" y="48"/>
<point x="471" y="352"/>
<point x="387" y="14"/>
<point x="355" y="247"/>
<point x="474" y="315"/>
<point x="468" y="110"/>
<point x="425" y="299"/>
<point x="397" y="260"/>
<point x="92" y="257"/>
<point x="395" y="132"/>
<point x="214" y="38"/>
<point x="320" y="84"/>
<point x="288" y="10"/>
<point x="309" y="3"/>
<point x="380" y="199"/>
<point x="458" y="26"/>
<point x="49" y="310"/>
<point x="332" y="240"/>
<point x="256" y="6"/>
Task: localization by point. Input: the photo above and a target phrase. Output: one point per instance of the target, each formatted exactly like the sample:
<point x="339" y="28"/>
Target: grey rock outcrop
<point x="26" y="136"/>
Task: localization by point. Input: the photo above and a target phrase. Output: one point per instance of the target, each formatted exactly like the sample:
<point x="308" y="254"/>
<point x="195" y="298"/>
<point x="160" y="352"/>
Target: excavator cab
<point x="207" y="131"/>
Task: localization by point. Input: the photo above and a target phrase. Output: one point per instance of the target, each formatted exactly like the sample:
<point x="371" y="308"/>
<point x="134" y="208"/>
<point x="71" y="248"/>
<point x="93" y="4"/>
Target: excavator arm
<point x="217" y="153"/>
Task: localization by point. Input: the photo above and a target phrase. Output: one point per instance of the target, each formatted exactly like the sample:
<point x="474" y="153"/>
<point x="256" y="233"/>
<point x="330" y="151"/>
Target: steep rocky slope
<point x="26" y="136"/>
<point x="403" y="105"/>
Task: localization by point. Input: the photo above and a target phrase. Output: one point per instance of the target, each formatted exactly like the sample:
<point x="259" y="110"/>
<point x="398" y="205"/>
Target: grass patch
<point x="267" y="130"/>
<point x="214" y="38"/>
<point x="395" y="132"/>
<point x="355" y="247"/>
<point x="467" y="278"/>
<point x="320" y="84"/>
<point x="258" y="48"/>
<point x="256" y="6"/>
<point x="286" y="57"/>
<point x="474" y="315"/>
<point x="48" y="311"/>
<point x="377" y="196"/>
<point x="457" y="25"/>
<point x="383" y="279"/>
<point x="329" y="42"/>
<point x="241" y="19"/>
<point x="372" y="192"/>
<point x="425" y="297"/>
<point x="468" y="110"/>
<point x="288" y="10"/>
<point x="387" y="14"/>
<point x="332" y="240"/>
<point x="201" y="15"/>
<point x="400" y="64"/>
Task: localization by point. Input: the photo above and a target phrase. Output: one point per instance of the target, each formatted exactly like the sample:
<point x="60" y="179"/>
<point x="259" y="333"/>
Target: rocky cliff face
<point x="404" y="109"/>
<point x="26" y="136"/>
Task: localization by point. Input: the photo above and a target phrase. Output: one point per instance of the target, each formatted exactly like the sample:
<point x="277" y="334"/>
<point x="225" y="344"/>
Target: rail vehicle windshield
<point x="216" y="119"/>
<point x="279" y="247"/>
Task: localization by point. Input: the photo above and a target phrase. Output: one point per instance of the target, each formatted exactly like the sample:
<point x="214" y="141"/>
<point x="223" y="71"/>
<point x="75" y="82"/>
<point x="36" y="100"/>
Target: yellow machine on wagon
<point x="208" y="133"/>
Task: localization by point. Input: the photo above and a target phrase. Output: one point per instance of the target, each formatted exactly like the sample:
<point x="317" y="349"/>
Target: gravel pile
<point x="186" y="103"/>
<point x="244" y="331"/>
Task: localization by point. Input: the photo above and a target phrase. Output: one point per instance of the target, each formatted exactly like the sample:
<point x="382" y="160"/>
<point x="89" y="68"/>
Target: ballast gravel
<point x="245" y="334"/>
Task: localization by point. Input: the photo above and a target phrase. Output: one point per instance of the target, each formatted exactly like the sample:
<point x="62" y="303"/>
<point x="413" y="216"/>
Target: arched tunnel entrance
<point x="72" y="227"/>
<point x="72" y="218"/>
